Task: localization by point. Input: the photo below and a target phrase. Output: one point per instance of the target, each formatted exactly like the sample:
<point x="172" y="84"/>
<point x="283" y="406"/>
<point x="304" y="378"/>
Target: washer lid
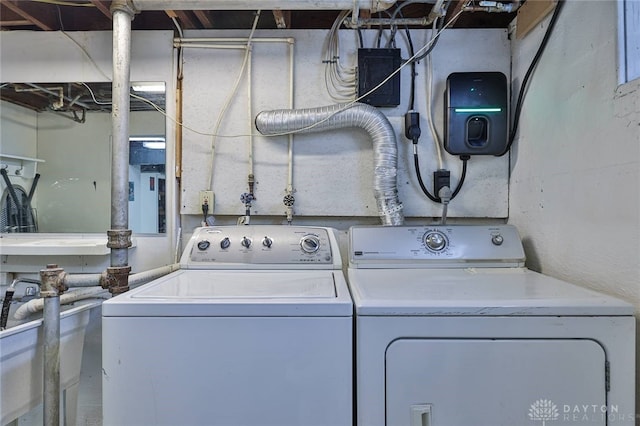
<point x="474" y="292"/>
<point x="237" y="293"/>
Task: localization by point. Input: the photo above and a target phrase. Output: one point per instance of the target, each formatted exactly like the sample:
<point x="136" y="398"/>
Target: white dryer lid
<point x="474" y="292"/>
<point x="237" y="293"/>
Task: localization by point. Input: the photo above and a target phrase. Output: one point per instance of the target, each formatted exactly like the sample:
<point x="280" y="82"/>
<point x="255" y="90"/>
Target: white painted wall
<point x="18" y="133"/>
<point x="333" y="171"/>
<point x="30" y="56"/>
<point x="574" y="188"/>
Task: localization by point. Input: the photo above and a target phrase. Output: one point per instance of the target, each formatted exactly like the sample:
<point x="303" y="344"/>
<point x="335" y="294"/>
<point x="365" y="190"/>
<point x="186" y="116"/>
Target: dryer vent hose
<point x="366" y="117"/>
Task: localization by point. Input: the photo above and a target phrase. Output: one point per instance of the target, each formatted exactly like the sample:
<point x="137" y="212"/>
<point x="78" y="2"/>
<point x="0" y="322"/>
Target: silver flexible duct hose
<point x="375" y="123"/>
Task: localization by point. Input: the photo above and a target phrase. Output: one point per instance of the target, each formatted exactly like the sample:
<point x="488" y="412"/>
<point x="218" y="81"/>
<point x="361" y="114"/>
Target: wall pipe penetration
<point x="366" y="117"/>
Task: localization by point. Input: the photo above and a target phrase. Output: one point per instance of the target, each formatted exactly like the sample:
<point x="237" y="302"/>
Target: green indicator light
<point x="478" y="110"/>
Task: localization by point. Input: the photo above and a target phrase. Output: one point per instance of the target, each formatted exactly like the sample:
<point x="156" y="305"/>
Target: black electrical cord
<point x="525" y="81"/>
<point x="464" y="159"/>
<point x="455" y="192"/>
<point x="412" y="90"/>
<point x="424" y="188"/>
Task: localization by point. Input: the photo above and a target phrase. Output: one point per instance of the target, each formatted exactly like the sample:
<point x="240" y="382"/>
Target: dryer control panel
<point x="262" y="247"/>
<point x="435" y="246"/>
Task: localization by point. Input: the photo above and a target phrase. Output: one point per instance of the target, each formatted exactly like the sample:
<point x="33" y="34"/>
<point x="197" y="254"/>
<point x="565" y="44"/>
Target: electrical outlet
<point x="207" y="197"/>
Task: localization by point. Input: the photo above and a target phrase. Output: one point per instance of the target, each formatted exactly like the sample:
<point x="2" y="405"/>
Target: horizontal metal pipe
<point x="211" y="46"/>
<point x="373" y="5"/>
<point x="234" y="40"/>
<point x="51" y="92"/>
<point x="388" y="21"/>
<point x="90" y="280"/>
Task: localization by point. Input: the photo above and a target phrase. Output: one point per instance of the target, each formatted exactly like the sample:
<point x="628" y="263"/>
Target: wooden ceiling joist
<point x="34" y="13"/>
<point x="283" y="18"/>
<point x="102" y="6"/>
<point x="204" y="18"/>
<point x="183" y="17"/>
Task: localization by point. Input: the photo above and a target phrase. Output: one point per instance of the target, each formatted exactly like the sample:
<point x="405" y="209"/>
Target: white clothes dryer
<point x="254" y="330"/>
<point x="453" y="330"/>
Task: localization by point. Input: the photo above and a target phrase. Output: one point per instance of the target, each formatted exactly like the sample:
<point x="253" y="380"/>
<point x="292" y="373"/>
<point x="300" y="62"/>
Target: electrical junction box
<point x="476" y="113"/>
<point x="374" y="66"/>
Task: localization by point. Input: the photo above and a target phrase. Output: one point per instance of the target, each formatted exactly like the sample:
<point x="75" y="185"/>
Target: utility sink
<point x="21" y="360"/>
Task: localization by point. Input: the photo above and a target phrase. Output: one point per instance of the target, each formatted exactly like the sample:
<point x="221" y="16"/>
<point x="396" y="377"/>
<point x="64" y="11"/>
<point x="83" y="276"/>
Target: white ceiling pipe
<point x="373" y="5"/>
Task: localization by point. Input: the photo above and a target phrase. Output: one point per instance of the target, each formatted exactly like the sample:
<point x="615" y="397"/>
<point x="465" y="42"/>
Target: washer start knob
<point x="310" y="244"/>
<point x="435" y="241"/>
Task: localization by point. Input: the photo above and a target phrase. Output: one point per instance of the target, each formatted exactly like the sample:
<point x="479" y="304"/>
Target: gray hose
<point x="36" y="305"/>
<point x="375" y="123"/>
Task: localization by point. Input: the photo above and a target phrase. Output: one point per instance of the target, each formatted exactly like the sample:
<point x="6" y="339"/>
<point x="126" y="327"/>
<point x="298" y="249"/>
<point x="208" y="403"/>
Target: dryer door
<point x="462" y="382"/>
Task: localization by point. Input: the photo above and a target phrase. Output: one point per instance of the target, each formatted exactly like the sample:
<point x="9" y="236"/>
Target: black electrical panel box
<point x="476" y="113"/>
<point x="374" y="66"/>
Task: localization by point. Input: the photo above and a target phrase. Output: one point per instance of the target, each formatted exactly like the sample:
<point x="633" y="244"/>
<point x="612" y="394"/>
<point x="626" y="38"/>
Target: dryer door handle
<point x="421" y="415"/>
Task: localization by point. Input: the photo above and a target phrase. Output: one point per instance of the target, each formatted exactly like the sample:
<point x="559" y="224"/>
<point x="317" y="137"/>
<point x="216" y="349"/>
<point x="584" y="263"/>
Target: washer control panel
<point x="216" y="246"/>
<point x="435" y="246"/>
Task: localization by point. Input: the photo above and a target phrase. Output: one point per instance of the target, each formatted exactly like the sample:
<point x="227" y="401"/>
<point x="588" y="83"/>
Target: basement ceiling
<point x="94" y="15"/>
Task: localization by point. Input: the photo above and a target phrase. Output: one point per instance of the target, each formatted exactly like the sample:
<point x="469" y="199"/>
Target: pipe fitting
<point x="116" y="279"/>
<point x="119" y="238"/>
<point x="52" y="281"/>
<point x="125" y="6"/>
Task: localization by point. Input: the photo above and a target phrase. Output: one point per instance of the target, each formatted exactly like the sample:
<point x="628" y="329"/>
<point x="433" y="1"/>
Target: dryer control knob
<point x="497" y="239"/>
<point x="267" y="242"/>
<point x="435" y="241"/>
<point x="310" y="244"/>
<point x="225" y="243"/>
<point x="246" y="242"/>
<point x="203" y="245"/>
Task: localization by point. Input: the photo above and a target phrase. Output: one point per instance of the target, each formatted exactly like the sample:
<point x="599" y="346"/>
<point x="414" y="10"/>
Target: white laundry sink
<point x="53" y="244"/>
<point x="21" y="360"/>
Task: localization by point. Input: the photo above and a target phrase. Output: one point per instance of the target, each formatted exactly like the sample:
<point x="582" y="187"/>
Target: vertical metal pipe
<point x="122" y="13"/>
<point x="51" y="386"/>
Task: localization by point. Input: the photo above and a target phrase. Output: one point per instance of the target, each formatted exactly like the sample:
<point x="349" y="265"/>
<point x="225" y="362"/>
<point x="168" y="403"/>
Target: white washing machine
<point x="452" y="330"/>
<point x="254" y="330"/>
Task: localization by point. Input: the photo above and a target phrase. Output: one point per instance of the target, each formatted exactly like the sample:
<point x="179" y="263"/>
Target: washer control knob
<point x="225" y="243"/>
<point x="246" y="242"/>
<point x="310" y="244"/>
<point x="435" y="241"/>
<point x="267" y="242"/>
<point x="203" y="245"/>
<point x="497" y="239"/>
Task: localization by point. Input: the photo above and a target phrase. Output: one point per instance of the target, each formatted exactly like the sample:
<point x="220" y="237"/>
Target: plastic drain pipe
<point x="375" y="123"/>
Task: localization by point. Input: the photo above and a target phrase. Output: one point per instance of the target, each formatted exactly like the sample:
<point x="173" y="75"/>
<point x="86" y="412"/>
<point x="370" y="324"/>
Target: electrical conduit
<point x="366" y="117"/>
